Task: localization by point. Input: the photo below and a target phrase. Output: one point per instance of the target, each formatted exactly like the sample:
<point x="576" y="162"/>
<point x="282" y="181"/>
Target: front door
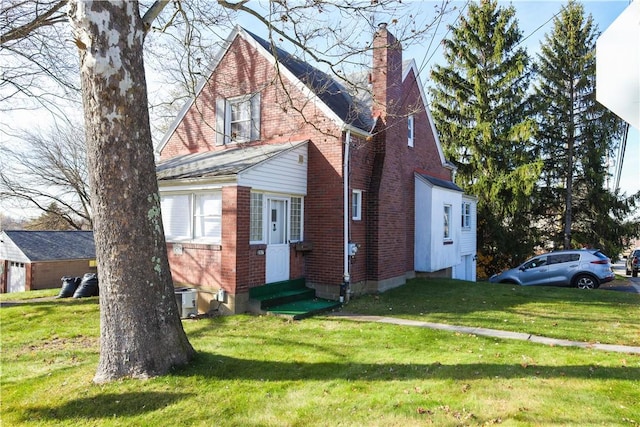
<point x="277" y="268"/>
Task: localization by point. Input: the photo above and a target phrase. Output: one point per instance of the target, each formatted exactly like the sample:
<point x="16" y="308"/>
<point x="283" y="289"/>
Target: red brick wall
<point x="382" y="167"/>
<point x="195" y="264"/>
<point x="285" y="113"/>
<point x="285" y="116"/>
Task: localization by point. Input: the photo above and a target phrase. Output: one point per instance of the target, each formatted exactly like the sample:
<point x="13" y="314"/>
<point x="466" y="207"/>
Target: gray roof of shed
<point x="223" y="163"/>
<point x="54" y="245"/>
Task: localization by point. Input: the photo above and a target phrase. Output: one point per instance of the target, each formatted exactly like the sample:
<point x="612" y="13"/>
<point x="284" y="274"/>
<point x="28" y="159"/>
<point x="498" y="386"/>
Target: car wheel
<point x="585" y="281"/>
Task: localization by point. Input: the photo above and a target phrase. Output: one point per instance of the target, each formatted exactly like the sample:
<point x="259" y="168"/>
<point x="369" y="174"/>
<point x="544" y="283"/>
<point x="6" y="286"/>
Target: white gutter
<point x="345" y="185"/>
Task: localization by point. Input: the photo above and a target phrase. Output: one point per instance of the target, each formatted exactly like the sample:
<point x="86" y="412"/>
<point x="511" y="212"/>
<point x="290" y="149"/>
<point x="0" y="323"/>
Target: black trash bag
<point x="88" y="286"/>
<point x="69" y="286"/>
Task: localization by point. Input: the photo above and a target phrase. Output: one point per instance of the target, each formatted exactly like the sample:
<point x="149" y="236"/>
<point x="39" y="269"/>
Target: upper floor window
<point x="238" y="119"/>
<point x="466" y="215"/>
<point x="410" y="130"/>
<point x="356" y="205"/>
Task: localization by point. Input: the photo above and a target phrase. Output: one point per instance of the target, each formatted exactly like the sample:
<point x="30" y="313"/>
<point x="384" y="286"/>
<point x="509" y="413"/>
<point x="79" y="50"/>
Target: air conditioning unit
<point x="187" y="300"/>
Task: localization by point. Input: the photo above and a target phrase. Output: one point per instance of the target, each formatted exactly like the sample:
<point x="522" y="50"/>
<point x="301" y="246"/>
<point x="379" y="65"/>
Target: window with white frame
<point x="192" y="217"/>
<point x="410" y="130"/>
<point x="356" y="205"/>
<point x="255" y="218"/>
<point x="447" y="222"/>
<point x="238" y="119"/>
<point x="466" y="215"/>
<point x="207" y="217"/>
<point x="296" y="219"/>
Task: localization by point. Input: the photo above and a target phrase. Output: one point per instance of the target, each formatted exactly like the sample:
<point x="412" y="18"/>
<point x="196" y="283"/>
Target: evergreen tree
<point x="576" y="137"/>
<point x="53" y="218"/>
<point x="482" y="113"/>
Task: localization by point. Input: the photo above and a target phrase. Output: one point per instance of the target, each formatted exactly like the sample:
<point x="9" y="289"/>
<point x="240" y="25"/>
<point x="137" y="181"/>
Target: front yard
<point x="326" y="371"/>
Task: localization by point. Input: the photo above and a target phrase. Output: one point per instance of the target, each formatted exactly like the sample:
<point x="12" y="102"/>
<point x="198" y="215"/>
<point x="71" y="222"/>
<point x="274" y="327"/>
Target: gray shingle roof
<point x="441" y="183"/>
<point x="54" y="245"/>
<point x="334" y="94"/>
<point x="223" y="163"/>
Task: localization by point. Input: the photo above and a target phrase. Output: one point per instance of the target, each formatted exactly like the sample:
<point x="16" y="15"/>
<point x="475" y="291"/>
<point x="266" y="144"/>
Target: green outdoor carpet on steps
<point x="304" y="308"/>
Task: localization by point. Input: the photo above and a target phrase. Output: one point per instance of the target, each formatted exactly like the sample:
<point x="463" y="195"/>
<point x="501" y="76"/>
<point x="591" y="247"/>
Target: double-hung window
<point x="207" y="218"/>
<point x="356" y="205"/>
<point x="466" y="215"/>
<point x="238" y="119"/>
<point x="193" y="217"/>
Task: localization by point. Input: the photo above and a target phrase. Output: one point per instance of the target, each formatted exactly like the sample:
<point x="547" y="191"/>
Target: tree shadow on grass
<point x="220" y="367"/>
<point x="106" y="405"/>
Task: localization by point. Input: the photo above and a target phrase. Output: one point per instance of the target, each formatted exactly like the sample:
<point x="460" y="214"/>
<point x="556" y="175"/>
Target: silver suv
<point x="584" y="269"/>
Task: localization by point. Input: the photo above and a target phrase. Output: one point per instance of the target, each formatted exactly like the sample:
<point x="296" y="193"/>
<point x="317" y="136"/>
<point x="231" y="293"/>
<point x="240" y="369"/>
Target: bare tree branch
<point x="45" y="13"/>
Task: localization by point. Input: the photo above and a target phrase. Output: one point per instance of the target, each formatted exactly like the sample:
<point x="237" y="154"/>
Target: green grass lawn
<point x="328" y="371"/>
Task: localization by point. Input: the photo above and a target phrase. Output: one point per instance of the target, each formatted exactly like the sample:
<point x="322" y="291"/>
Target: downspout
<point x="344" y="288"/>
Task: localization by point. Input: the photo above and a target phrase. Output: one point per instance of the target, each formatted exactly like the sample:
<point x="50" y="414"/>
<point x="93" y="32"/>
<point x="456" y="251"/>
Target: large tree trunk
<point x="141" y="331"/>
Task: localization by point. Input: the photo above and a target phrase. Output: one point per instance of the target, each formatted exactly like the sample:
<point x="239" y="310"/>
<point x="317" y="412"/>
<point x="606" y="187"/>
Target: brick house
<point x="33" y="260"/>
<point x="274" y="171"/>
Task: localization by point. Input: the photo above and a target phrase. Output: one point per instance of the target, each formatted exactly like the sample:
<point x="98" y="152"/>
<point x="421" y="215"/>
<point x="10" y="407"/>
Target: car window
<point x="556" y="259"/>
<point x="562" y="258"/>
<point x="536" y="262"/>
<point x="600" y="255"/>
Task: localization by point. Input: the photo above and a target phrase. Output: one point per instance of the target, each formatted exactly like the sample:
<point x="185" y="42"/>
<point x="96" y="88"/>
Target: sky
<point x="535" y="19"/>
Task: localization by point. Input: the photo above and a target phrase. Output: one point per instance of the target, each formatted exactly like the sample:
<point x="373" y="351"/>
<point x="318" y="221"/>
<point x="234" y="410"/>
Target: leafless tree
<point x="48" y="168"/>
<point x="141" y="333"/>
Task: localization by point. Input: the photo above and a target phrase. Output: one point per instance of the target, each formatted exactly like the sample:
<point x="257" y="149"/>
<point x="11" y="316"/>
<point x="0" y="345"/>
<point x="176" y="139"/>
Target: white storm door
<point x="277" y="268"/>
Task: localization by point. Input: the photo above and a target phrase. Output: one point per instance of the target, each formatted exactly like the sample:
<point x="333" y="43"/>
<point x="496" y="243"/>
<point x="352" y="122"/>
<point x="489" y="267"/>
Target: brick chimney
<point x="386" y="75"/>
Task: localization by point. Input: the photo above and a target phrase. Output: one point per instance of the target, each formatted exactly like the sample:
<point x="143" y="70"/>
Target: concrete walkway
<point x="495" y="333"/>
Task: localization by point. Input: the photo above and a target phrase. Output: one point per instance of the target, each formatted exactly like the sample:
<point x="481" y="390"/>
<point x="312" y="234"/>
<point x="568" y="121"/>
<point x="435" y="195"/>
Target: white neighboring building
<point x="452" y="242"/>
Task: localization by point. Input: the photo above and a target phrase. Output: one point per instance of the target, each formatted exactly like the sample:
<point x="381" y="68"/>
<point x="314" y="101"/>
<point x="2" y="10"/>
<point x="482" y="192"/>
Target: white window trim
<point x="356" y="214"/>
<point x="223" y="119"/>
<point x="265" y="217"/>
<point x="466" y="215"/>
<point x="446" y="222"/>
<point x="262" y="210"/>
<point x="191" y="207"/>
<point x="301" y="237"/>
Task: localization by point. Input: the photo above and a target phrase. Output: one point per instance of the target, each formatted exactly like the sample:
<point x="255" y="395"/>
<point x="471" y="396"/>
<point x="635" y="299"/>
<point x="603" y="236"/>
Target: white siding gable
<point x="10" y="251"/>
<point x="285" y="173"/>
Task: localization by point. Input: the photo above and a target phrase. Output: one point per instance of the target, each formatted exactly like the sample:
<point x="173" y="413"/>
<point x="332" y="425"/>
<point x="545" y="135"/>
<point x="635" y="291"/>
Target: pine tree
<point x="576" y="137"/>
<point x="482" y="113"/>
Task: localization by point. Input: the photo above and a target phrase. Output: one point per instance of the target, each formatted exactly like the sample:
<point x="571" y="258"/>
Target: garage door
<point x="17" y="277"/>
